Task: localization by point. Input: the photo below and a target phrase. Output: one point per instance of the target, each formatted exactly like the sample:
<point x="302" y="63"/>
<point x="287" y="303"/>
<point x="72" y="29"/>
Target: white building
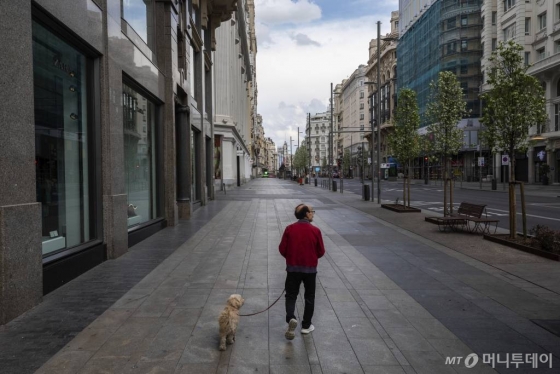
<point x="317" y="133"/>
<point x="235" y="102"/>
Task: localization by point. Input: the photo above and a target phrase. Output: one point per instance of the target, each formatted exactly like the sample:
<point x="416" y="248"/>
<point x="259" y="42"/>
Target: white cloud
<point x="302" y="39"/>
<point x="277" y="12"/>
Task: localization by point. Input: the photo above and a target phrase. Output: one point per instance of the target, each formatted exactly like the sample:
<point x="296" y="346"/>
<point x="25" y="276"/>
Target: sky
<point x="303" y="47"/>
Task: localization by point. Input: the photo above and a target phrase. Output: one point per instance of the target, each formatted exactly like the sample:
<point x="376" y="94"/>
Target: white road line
<point x="528" y="215"/>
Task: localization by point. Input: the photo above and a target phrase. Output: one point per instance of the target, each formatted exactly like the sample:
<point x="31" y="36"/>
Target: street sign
<point x="240" y="153"/>
<point x="481" y="161"/>
<point x="385" y="166"/>
<point x="505" y="160"/>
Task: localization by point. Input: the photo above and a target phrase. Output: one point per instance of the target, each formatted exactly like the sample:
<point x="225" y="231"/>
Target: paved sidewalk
<point x="392" y="297"/>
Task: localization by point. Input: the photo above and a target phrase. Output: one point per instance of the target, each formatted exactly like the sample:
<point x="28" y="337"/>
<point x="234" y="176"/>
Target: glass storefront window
<point x="61" y="141"/>
<point x="139" y="156"/>
<point x="139" y="15"/>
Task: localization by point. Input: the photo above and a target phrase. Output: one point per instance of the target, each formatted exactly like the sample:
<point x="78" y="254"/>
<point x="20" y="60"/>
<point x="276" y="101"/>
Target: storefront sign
<point x="481" y="161"/>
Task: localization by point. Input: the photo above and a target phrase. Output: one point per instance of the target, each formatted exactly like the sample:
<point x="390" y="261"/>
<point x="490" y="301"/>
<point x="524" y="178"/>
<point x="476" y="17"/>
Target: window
<point x="557" y="14"/>
<point x="139" y="15"/>
<point x="464" y="45"/>
<point x="494" y="18"/>
<point x="451" y="23"/>
<point x="541" y="54"/>
<point x="527" y="58"/>
<point x="361" y="116"/>
<point x="464" y="69"/>
<point x="509" y="32"/>
<point x="451" y="48"/>
<point x="483" y="21"/>
<point x="62" y="149"/>
<point x="527" y="25"/>
<point x="508" y="4"/>
<point x="361" y="94"/>
<point x="465" y="20"/>
<point x="557" y="46"/>
<point x="139" y="157"/>
<point x="361" y="105"/>
<point x="542" y="21"/>
<point x="494" y="44"/>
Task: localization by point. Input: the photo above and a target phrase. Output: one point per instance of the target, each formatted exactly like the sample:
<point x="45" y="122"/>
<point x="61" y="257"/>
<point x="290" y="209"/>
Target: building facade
<point x="436" y="36"/>
<point x="352" y="114"/>
<point x="388" y="91"/>
<point x="536" y="26"/>
<point x="317" y="133"/>
<point x="116" y="139"/>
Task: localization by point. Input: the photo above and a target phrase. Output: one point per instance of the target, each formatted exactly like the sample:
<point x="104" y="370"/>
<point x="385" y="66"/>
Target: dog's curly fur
<point x="229" y="318"/>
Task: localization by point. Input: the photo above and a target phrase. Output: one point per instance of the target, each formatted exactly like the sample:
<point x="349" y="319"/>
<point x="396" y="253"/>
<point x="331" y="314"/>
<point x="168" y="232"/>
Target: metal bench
<point x="466" y="214"/>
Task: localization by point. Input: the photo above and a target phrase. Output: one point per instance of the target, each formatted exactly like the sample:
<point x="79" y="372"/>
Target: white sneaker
<point x="308" y="330"/>
<point x="290" y="334"/>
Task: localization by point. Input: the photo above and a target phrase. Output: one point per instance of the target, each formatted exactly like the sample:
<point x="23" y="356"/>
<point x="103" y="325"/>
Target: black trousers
<point x="293" y="281"/>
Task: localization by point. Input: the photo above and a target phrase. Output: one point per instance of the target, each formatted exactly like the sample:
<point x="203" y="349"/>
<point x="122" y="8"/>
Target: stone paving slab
<point x="388" y="299"/>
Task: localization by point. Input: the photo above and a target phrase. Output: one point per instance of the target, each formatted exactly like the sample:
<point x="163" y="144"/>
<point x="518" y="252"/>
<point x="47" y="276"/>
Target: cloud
<point x="276" y="12"/>
<point x="303" y="40"/>
<point x="295" y="81"/>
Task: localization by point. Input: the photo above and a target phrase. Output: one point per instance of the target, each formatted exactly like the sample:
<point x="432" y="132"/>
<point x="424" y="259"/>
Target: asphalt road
<point x="540" y="209"/>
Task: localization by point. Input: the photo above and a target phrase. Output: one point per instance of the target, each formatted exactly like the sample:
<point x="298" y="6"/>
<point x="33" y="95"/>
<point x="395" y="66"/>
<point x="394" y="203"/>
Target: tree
<point x="514" y="103"/>
<point x="346" y="161"/>
<point x="445" y="109"/>
<point x="405" y="140"/>
<point x="324" y="164"/>
<point x="301" y="158"/>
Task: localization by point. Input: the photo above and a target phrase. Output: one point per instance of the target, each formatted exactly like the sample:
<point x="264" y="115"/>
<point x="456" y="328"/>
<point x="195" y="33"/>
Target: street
<point x="543" y="210"/>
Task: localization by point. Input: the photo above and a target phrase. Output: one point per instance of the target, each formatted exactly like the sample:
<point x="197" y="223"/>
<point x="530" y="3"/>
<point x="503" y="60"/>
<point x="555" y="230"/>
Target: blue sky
<point x="303" y="46"/>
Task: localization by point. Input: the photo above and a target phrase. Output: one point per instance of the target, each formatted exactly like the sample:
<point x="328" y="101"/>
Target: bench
<point x="466" y="214"/>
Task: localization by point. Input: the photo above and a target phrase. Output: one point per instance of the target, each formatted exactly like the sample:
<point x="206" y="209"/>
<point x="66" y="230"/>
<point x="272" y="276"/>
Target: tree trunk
<point x="408" y="184"/>
<point x="444" y="175"/>
<point x="523" y="213"/>
<point x="512" y="208"/>
<point x="404" y="187"/>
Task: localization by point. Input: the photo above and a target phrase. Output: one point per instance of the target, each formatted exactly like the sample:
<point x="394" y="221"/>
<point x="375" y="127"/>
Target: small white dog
<point x="229" y="318"/>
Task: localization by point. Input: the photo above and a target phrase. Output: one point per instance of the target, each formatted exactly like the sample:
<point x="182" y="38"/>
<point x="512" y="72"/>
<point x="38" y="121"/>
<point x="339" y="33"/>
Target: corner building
<point x="106" y="131"/>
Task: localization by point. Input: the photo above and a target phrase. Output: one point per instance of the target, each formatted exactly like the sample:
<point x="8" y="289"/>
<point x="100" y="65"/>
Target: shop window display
<point x="61" y="141"/>
<point x="139" y="153"/>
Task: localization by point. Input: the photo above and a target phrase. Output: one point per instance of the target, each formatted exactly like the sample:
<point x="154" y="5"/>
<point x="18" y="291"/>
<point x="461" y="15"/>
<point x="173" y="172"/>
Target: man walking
<point x="301" y="246"/>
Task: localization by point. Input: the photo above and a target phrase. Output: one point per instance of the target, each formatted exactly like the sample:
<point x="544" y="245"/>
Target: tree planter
<point x="400" y="208"/>
<point x="526" y="247"/>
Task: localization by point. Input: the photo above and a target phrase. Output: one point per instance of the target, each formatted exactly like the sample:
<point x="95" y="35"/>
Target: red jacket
<point x="302" y="246"/>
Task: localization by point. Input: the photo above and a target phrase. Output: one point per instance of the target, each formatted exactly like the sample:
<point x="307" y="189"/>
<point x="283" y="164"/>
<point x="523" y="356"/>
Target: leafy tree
<point x="445" y="109"/>
<point x="514" y="103"/>
<point x="404" y="140"/>
<point x="301" y="158"/>
<point x="346" y="161"/>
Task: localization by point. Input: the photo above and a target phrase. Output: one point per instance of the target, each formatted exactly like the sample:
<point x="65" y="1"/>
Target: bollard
<point x="494" y="184"/>
<point x="334" y="186"/>
<point x="341" y="185"/>
<point x="306" y="180"/>
<point x="315" y="182"/>
<point x="365" y="192"/>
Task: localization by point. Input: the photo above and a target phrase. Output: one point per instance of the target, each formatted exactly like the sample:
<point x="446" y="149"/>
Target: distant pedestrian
<point x="302" y="246"/>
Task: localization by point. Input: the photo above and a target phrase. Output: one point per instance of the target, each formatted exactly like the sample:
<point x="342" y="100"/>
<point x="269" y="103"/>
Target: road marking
<point x="528" y="215"/>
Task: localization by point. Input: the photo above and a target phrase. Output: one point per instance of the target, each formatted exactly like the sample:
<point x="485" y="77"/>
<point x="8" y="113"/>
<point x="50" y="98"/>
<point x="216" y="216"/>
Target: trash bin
<point x="494" y="184"/>
<point x="306" y="180"/>
<point x="426" y="181"/>
<point x="365" y="192"/>
<point x="315" y="182"/>
<point x="334" y="186"/>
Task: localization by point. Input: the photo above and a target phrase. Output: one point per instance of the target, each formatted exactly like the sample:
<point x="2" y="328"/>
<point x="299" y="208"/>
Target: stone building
<point x="388" y="91"/>
<point x="106" y="116"/>
<point x="536" y="26"/>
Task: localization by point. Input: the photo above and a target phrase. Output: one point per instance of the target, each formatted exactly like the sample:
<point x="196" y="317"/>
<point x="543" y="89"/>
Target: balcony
<point x="541" y="35"/>
<point x="546" y="64"/>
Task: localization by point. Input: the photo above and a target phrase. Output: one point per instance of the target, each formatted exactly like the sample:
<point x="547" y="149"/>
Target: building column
<point x="184" y="178"/>
<point x="21" y="267"/>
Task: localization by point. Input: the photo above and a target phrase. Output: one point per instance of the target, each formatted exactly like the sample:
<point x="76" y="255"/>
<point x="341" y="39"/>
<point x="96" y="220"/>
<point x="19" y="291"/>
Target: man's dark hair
<point x="301" y="211"/>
